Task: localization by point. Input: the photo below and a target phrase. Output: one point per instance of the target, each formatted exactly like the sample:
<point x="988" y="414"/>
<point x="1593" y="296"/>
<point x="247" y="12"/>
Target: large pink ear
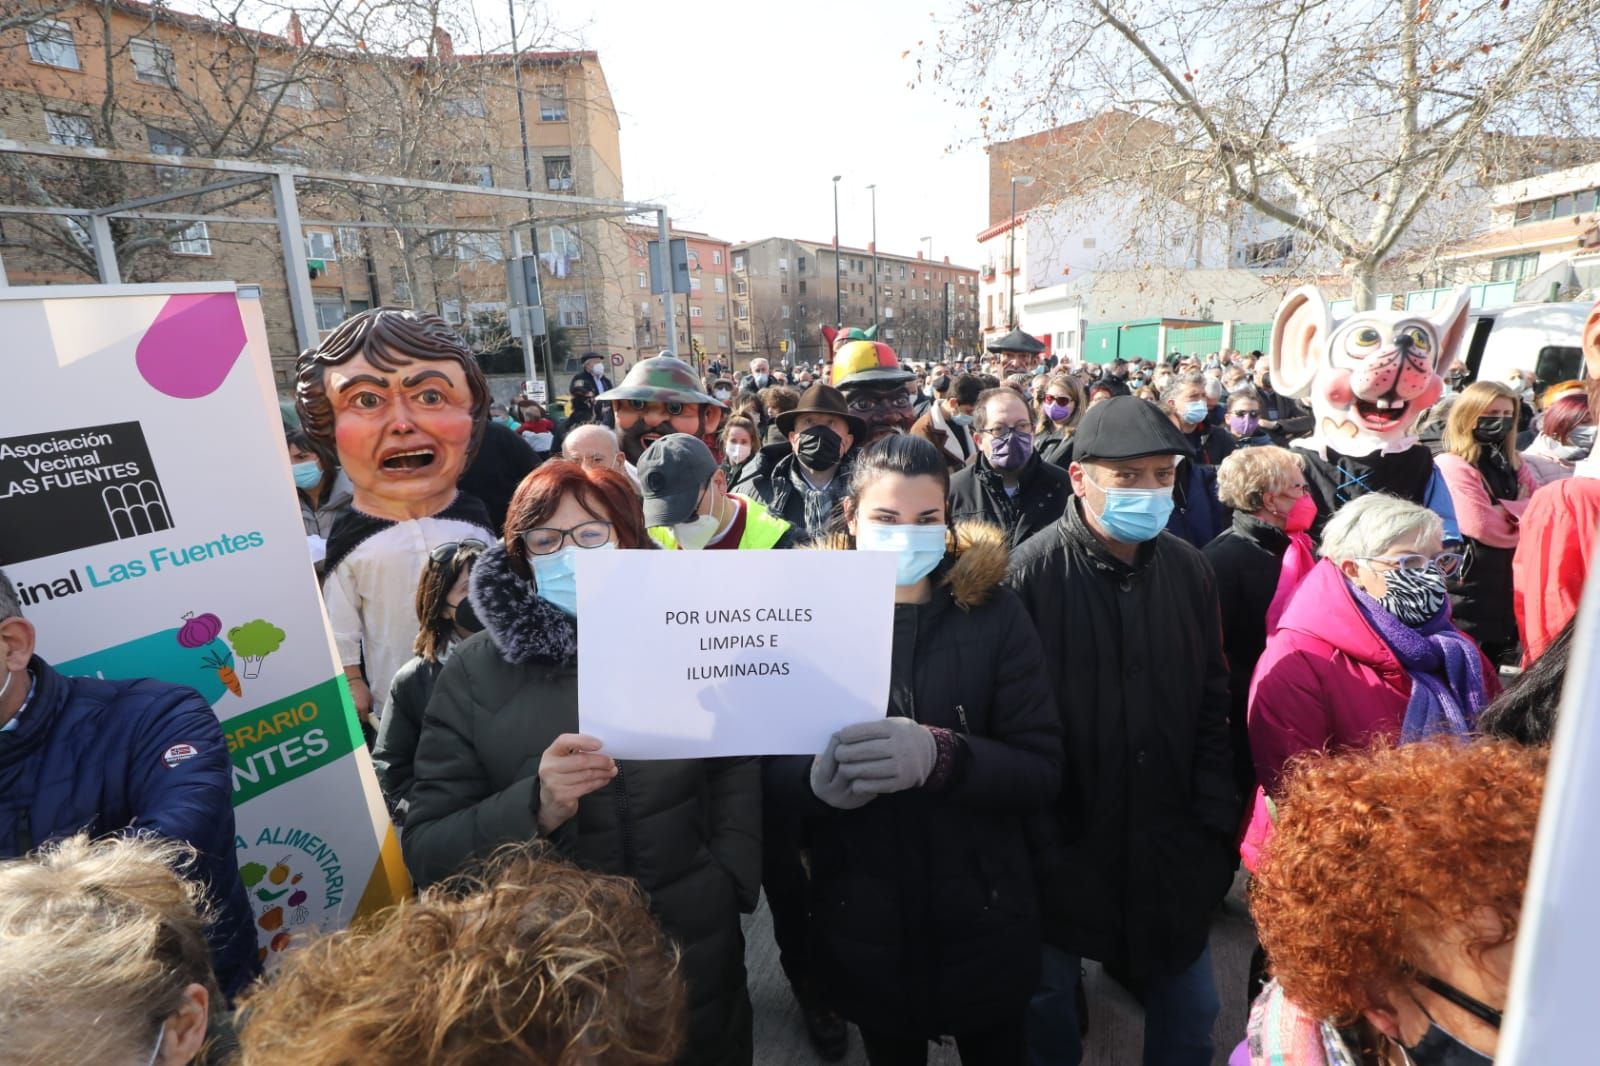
<point x="1451" y="321"/>
<point x="1591" y="342"/>
<point x="1299" y="341"/>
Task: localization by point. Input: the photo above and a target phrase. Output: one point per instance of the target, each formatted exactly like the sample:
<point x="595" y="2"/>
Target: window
<point x="902" y="273"/>
<point x="152" y="62"/>
<point x="330" y="312"/>
<point x="464" y="107"/>
<point x="71" y="130"/>
<point x="722" y="313"/>
<point x="741" y="311"/>
<point x="800" y="264"/>
<point x="1514" y="267"/>
<point x="451" y="311"/>
<point x="479" y="248"/>
<point x="888" y="312"/>
<point x="695" y="312"/>
<point x="442" y="244"/>
<point x="50" y="42"/>
<point x="165" y="142"/>
<point x="694" y="283"/>
<point x="278" y="88"/>
<point x="716" y="259"/>
<point x="320" y="245"/>
<point x="1585" y="202"/>
<point x="194" y="240"/>
<point x="783" y="288"/>
<point x="802" y="287"/>
<point x="722" y="340"/>
<point x="738" y="262"/>
<point x="552" y="103"/>
<point x="558" y="173"/>
<point x="573" y="309"/>
<point x="783" y="262"/>
<point x="482" y="177"/>
<point x="564" y="243"/>
<point x="888" y="334"/>
<point x="718" y="284"/>
<point x="349" y="241"/>
<point x="785" y="310"/>
<point x="739" y="287"/>
<point x="644" y="280"/>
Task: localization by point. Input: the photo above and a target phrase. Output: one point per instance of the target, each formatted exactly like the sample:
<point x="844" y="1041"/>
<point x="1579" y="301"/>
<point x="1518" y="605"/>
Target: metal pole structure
<point x="838" y="290"/>
<point x="301" y="305"/>
<point x="1011" y="256"/>
<point x="873" y="189"/>
<point x="105" y="250"/>
<point x="665" y="237"/>
<point x="528" y="339"/>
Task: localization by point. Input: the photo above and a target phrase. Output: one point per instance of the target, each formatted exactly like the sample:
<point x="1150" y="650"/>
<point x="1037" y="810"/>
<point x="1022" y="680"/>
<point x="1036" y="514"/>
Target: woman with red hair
<point x="1388" y="902"/>
<point x="1566" y="435"/>
<point x="500" y="759"/>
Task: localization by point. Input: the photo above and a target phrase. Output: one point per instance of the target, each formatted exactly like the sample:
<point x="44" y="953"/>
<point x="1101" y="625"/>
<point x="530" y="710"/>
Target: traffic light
<point x="783" y="346"/>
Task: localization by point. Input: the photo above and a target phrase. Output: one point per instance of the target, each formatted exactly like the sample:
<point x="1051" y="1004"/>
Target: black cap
<point x="674" y="471"/>
<point x="1125" y="427"/>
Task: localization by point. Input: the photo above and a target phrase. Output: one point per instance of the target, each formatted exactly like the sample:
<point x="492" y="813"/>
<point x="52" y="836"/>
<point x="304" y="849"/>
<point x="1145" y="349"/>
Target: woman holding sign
<point x="500" y="759"/>
<point x="924" y="919"/>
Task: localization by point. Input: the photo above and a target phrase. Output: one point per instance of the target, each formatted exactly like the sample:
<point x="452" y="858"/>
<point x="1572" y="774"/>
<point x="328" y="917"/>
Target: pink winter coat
<point x="1326" y="681"/>
<point x="1479" y="515"/>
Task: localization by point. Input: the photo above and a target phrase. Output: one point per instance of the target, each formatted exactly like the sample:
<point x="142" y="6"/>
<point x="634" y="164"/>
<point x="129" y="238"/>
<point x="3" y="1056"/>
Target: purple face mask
<point x="1058" y="412"/>
<point x="1243" y="425"/>
<point x="1011" y="453"/>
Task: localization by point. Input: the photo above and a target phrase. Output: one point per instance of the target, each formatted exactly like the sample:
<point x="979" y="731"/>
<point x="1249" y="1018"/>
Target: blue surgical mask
<point x="1133" y="516"/>
<point x="919" y="548"/>
<point x="307" y="475"/>
<point x="554" y="578"/>
<point x="1195" y="412"/>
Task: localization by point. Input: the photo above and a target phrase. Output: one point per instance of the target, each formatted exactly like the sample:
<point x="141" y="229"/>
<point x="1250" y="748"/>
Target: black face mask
<point x="1491" y="430"/>
<point x="466" y="618"/>
<point x="818" y="448"/>
<point x="1438" y="1048"/>
<point x="940" y="384"/>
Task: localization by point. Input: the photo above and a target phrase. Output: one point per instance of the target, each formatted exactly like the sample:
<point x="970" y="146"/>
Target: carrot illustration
<point x="222" y="663"/>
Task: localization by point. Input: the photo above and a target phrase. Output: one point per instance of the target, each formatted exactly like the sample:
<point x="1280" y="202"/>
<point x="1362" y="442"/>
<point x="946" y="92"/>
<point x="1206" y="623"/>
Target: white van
<point x="1541" y="339"/>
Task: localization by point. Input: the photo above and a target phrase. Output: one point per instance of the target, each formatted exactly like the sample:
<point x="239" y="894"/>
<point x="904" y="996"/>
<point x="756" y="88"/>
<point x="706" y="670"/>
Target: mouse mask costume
<point x="659" y="397"/>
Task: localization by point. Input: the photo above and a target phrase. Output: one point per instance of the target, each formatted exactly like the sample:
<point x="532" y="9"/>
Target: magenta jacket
<point x="1326" y="679"/>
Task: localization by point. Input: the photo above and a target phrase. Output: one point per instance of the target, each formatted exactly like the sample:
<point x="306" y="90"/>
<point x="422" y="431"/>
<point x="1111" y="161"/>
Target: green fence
<point x="1251" y="336"/>
<point x="1196" y="340"/>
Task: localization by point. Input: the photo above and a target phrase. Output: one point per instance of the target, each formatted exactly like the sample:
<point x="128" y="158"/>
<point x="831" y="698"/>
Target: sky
<point x="737" y="114"/>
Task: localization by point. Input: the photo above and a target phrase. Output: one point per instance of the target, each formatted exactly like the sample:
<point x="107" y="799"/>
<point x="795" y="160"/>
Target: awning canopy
<point x="1016" y="341"/>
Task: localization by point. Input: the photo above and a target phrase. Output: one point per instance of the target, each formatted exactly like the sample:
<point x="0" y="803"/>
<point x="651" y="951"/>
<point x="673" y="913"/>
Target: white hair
<point x="10" y="602"/>
<point x="1370" y="525"/>
<point x="591" y="428"/>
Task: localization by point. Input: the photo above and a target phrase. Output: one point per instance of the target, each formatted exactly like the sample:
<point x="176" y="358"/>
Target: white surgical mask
<point x="696" y="533"/>
<point x="738" y="453"/>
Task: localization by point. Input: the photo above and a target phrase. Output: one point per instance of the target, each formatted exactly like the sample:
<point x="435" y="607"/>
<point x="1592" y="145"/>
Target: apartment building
<point x="786" y="290"/>
<point x="137" y="77"/>
<point x="704" y="317"/>
<point x="1543" y="236"/>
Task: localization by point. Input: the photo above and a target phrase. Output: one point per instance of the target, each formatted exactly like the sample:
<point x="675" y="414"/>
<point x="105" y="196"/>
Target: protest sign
<point x="149" y="522"/>
<point x="731" y="652"/>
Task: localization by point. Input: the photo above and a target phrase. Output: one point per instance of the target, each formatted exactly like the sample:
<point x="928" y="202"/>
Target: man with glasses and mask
<point x="687" y="503"/>
<point x="875" y="386"/>
<point x="1008" y="485"/>
<point x="805" y="486"/>
<point x="1139" y="850"/>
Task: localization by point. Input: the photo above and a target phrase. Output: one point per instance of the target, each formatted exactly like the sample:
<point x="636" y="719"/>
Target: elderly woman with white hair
<point x="1366" y="649"/>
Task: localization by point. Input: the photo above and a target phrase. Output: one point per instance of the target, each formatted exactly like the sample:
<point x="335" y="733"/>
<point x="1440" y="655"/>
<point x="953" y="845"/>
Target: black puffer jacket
<point x="775" y="488"/>
<point x="399" y="729"/>
<point x="978" y="494"/>
<point x="1147" y="813"/>
<point x="924" y="915"/>
<point x="688" y="831"/>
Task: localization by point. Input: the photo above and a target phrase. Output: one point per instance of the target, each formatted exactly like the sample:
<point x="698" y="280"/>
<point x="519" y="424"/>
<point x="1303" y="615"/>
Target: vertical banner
<point x="149" y="521"/>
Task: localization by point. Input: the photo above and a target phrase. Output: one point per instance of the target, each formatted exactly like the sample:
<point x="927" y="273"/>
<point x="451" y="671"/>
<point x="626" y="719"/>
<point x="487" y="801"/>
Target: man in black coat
<point x="1283" y="417"/>
<point x="590" y="382"/>
<point x="1140" y="849"/>
<point x="1008" y="485"/>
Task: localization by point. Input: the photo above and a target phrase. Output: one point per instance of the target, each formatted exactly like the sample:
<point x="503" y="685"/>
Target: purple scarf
<point x="1447" y="689"/>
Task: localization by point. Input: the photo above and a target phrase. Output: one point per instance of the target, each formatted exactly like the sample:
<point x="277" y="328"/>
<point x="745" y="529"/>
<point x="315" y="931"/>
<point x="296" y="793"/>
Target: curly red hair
<point x="606" y="494"/>
<point x="1377" y="853"/>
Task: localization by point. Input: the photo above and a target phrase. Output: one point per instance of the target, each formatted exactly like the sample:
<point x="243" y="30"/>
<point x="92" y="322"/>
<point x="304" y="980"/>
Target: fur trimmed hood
<point x="526" y="627"/>
<point x="971" y="571"/>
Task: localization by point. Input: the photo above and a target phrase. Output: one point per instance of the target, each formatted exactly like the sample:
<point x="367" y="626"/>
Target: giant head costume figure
<point x="397" y="395"/>
<point x="659" y="397"/>
<point x="1369" y="378"/>
<point x="874" y="384"/>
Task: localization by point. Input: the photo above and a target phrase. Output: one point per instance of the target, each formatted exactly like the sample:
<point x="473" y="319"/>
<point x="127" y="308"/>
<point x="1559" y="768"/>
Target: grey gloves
<point x="829" y="786"/>
<point x="873" y="758"/>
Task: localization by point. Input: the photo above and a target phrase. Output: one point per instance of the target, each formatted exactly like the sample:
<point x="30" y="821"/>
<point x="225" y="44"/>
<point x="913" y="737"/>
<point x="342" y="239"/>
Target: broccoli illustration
<point x="253" y="642"/>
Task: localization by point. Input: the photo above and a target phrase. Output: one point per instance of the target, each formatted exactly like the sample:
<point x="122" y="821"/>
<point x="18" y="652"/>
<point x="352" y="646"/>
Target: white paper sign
<point x="731" y="652"/>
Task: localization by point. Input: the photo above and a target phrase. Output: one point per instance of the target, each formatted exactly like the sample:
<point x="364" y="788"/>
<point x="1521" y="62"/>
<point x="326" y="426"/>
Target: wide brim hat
<point x="822" y="399"/>
<point x="661" y="379"/>
<point x="868" y="362"/>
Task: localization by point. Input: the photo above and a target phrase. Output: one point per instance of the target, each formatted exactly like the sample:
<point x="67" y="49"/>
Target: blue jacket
<point x="1197" y="515"/>
<point x="143" y="756"/>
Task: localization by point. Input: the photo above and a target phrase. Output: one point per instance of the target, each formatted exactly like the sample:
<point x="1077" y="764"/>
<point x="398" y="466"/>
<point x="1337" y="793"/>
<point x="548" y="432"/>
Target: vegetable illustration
<point x="280" y="872"/>
<point x="198" y="630"/>
<point x="253" y="642"/>
<point x="222" y="663"/>
<point x="251" y="873"/>
<point x="280" y="941"/>
<point x="271" y="920"/>
<point x="298" y="898"/>
<point x="267" y="896"/>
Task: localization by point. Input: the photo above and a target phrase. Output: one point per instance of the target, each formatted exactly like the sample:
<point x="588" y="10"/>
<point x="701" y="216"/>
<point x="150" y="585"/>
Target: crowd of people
<point x="1152" y="619"/>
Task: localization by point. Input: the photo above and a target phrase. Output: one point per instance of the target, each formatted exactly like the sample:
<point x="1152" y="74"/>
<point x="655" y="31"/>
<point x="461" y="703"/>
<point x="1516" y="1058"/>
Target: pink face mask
<point x="1301" y="515"/>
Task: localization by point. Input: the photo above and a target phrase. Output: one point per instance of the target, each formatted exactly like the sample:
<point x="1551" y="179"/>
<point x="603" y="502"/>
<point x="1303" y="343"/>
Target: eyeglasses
<point x="547" y="540"/>
<point x="445" y="552"/>
<point x="898" y="402"/>
<point x="1447" y="562"/>
<point x="1062" y="400"/>
<point x="1473" y="1006"/>
<point x="999" y="433"/>
<point x="1247" y="412"/>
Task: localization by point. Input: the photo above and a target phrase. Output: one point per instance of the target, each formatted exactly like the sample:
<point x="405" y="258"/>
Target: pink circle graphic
<point x="193" y="343"/>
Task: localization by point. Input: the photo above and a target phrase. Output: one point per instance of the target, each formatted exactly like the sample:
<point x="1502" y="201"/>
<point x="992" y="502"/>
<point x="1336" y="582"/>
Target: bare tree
<point x="1361" y="130"/>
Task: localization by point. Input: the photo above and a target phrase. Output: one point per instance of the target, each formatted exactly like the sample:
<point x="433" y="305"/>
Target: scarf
<point x="820" y="503"/>
<point x="1298" y="561"/>
<point x="1447" y="687"/>
<point x="1279" y="1034"/>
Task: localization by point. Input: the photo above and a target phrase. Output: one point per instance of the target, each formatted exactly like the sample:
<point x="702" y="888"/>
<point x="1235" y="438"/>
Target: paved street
<point x="1115" y="1026"/>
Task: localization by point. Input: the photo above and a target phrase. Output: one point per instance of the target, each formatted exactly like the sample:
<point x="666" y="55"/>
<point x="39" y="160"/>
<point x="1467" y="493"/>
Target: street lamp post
<point x="1011" y="255"/>
<point x="873" y="189"/>
<point x="838" y="291"/>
